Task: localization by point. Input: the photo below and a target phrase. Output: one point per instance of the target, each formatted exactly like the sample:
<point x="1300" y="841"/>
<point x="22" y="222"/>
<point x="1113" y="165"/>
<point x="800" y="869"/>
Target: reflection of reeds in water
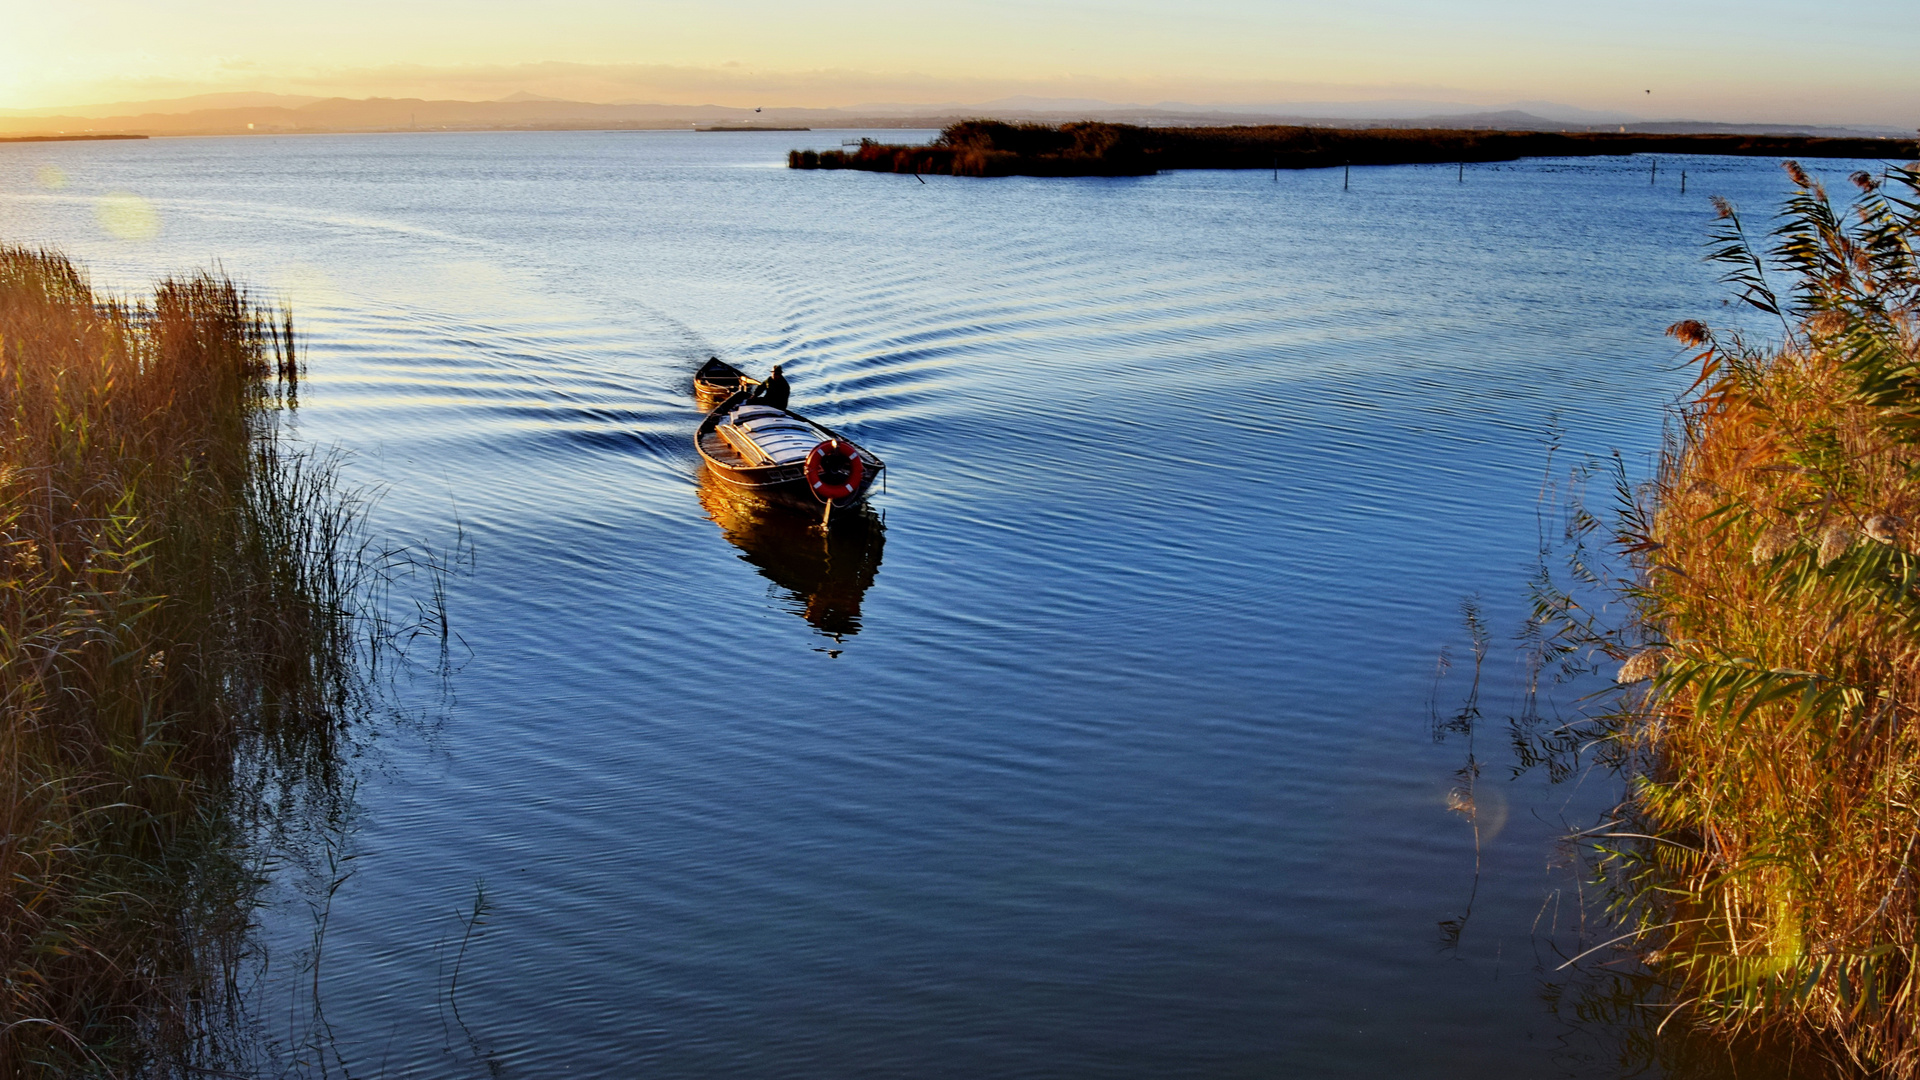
<point x="1483" y="806"/>
<point x="177" y="604"/>
<point x="1613" y="1028"/>
<point x="827" y="571"/>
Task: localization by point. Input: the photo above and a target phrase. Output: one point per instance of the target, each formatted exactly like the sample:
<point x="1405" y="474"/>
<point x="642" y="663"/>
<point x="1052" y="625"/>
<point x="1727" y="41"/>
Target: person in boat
<point x="774" y="392"/>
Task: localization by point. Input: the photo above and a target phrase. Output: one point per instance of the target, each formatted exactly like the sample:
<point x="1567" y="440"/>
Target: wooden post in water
<point x="1346" y="180"/>
<point x="1653" y="172"/>
<point x="1683" y="181"/>
<point x="1276" y="168"/>
<point x="1463" y="172"/>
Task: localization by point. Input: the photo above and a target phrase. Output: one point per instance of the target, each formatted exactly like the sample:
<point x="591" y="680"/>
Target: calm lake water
<point x="1108" y="753"/>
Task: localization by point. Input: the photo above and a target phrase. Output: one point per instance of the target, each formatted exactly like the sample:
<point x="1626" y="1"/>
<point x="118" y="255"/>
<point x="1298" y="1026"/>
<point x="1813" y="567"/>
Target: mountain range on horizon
<point x="1373" y="109"/>
<point x="1406" y="109"/>
<point x="259" y="112"/>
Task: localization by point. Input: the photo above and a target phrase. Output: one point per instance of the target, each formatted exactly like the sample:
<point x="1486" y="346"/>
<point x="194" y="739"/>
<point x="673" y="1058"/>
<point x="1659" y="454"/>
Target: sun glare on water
<point x="128" y="216"/>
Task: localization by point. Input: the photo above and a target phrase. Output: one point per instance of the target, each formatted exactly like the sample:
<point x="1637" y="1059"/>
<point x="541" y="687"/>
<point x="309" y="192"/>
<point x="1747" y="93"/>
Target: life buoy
<point x="835" y="469"/>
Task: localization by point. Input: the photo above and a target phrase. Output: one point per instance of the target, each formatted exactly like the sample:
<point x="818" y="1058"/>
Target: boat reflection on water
<point x="826" y="572"/>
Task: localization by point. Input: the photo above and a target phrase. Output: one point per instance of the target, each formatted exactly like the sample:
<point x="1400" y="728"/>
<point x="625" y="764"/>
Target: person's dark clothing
<point x="774" y="391"/>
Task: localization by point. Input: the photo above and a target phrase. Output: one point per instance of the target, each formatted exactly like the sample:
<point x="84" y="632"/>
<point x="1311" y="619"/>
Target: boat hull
<point x="786" y="482"/>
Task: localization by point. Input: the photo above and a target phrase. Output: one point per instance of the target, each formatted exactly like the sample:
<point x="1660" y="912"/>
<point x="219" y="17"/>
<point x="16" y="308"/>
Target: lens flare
<point x="128" y="216"/>
<point x="51" y="177"/>
<point x="1484" y="805"/>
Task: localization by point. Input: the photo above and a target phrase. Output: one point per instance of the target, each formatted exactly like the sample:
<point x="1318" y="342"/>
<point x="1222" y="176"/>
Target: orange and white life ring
<point x="835" y="470"/>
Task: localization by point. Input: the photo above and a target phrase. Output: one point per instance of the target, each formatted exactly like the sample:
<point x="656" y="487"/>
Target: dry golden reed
<point x="171" y="601"/>
<point x="1772" y="724"/>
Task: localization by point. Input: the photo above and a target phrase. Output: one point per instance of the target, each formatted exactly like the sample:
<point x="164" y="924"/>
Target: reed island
<point x="1766" y="862"/>
<point x="994" y="148"/>
<point x="178" y="595"/>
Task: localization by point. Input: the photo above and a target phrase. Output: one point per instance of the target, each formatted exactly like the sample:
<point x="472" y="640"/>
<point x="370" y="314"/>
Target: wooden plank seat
<point x="768" y="436"/>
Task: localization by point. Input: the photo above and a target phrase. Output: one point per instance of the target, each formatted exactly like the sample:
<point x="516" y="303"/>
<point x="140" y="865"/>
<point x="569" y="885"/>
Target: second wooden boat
<point x="717" y="380"/>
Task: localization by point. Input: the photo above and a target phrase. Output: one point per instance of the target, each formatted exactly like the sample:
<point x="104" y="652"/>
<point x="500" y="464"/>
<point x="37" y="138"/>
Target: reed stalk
<point x="177" y="609"/>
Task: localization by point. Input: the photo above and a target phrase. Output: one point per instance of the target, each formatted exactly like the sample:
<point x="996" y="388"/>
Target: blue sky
<point x="1760" y="59"/>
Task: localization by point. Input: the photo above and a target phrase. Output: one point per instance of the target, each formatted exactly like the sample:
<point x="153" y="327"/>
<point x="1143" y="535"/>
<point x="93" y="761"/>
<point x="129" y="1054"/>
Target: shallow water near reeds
<point x="1105" y="747"/>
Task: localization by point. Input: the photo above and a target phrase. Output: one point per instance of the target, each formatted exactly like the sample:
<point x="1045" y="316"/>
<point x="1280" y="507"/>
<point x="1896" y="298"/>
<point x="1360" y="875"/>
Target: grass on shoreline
<point x="1767" y="861"/>
<point x="1088" y="148"/>
<point x="176" y="598"/>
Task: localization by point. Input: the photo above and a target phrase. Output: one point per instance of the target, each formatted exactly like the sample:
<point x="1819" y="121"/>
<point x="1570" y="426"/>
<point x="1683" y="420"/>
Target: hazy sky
<point x="1752" y="59"/>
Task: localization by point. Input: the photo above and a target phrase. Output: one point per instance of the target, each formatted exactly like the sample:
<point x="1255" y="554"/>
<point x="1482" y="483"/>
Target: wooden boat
<point x="717" y="380"/>
<point x="764" y="450"/>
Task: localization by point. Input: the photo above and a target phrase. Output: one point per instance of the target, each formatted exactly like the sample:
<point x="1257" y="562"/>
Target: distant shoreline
<point x="750" y="127"/>
<point x="992" y="148"/>
<point x="68" y="138"/>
